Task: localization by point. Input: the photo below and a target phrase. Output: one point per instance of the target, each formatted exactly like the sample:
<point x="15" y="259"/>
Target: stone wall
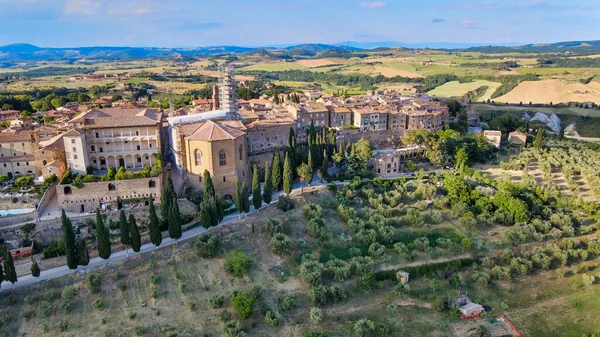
<point x="9" y="220"/>
<point x="46" y="198"/>
<point x="105" y="194"/>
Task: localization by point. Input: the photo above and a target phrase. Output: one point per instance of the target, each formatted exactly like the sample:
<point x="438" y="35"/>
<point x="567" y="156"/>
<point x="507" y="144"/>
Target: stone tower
<point x="228" y="92"/>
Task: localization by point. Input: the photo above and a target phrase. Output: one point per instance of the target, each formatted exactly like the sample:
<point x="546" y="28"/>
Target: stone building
<point x="50" y="158"/>
<point x="493" y="136"/>
<point x="368" y="119"/>
<point x="113" y="137"/>
<point x="107" y="194"/>
<point x="309" y="113"/>
<point x="218" y="147"/>
<point x="263" y="135"/>
<point x="17" y="153"/>
<point x="426" y="115"/>
<point x="339" y="117"/>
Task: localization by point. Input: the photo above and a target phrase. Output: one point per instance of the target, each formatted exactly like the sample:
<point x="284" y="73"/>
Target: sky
<point x="196" y="23"/>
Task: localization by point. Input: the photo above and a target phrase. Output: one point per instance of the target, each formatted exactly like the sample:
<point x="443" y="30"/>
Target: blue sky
<point x="176" y="23"/>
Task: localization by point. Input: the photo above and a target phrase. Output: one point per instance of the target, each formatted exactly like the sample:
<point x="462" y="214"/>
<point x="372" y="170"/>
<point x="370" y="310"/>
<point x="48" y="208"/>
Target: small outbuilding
<point x="402" y="276"/>
<point x="470" y="310"/>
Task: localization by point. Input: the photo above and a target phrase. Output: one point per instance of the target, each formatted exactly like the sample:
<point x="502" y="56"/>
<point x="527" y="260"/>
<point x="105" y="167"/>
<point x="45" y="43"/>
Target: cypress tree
<point x="154" y="226"/>
<point x="239" y="205"/>
<point x="136" y="239"/>
<point x="245" y="198"/>
<point x="35" y="268"/>
<point x="539" y="139"/>
<point x="209" y="187"/>
<point x="205" y="216"/>
<point x="288" y="175"/>
<point x="310" y="159"/>
<point x="124" y="229"/>
<point x="324" y="169"/>
<point x="83" y="253"/>
<point x="256" y="196"/>
<point x="104" y="249"/>
<point x="166" y="198"/>
<point x="10" y="273"/>
<point x="219" y="207"/>
<point x="561" y="133"/>
<point x="175" y="222"/>
<point x="268" y="189"/>
<point x="1" y="274"/>
<point x="276" y="170"/>
<point x="69" y="237"/>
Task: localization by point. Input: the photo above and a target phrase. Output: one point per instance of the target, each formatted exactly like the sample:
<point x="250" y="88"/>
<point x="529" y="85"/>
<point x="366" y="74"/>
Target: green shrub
<point x="98" y="303"/>
<point x="315" y="315"/>
<point x="132" y="315"/>
<point x="216" y="300"/>
<point x="273" y="318"/>
<point x="63" y="325"/>
<point x="243" y="303"/>
<point x="311" y="211"/>
<point x="153" y="279"/>
<point x="45" y="309"/>
<point x="280" y="244"/>
<point x="94" y="282"/>
<point x="237" y="263"/>
<point x="285" y="203"/>
<point x="287" y="303"/>
<point x="207" y="244"/>
<point x="274" y="226"/>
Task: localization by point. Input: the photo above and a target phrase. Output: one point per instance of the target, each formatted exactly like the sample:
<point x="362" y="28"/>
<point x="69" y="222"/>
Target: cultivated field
<point x="457" y="89"/>
<point x="552" y="91"/>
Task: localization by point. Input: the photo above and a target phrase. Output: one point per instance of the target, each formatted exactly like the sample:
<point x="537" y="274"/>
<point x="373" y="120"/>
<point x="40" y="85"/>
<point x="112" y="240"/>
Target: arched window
<point x="68" y="190"/>
<point x="151" y="184"/>
<point x="111" y="187"/>
<point x="241" y="151"/>
<point x="222" y="158"/>
<point x="45" y="163"/>
<point x="198" y="157"/>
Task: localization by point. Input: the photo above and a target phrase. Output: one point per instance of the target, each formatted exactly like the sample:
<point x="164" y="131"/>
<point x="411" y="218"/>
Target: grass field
<point x="457" y="89"/>
<point x="277" y="66"/>
<point x="555" y="91"/>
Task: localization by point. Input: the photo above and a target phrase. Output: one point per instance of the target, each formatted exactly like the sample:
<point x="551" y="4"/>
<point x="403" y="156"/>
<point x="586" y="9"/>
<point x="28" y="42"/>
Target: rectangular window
<point x="75" y="157"/>
<point x="139" y="160"/>
<point x="74" y="150"/>
<point x="93" y="148"/>
<point x="224" y="179"/>
<point x="138" y="147"/>
<point x="27" y="163"/>
<point x="72" y="141"/>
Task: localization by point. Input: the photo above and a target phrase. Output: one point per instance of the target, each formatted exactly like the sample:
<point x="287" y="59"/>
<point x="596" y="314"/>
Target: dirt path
<point x="421" y="262"/>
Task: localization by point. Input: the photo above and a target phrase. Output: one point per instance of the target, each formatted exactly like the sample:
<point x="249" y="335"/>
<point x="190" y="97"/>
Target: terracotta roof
<point x="73" y="133"/>
<point x="211" y="131"/>
<point x="341" y="109"/>
<point x="492" y="133"/>
<point x="203" y="101"/>
<point x="12" y="136"/>
<point x="118" y="117"/>
<point x="17" y="159"/>
<point x="9" y="112"/>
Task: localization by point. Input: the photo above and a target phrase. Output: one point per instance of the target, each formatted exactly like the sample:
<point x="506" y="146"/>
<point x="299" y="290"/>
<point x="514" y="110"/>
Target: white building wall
<point x="76" y="152"/>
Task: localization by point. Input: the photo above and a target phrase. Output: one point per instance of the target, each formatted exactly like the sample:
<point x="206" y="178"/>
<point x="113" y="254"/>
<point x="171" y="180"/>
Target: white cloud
<point x="373" y="4"/>
<point x="81" y="7"/>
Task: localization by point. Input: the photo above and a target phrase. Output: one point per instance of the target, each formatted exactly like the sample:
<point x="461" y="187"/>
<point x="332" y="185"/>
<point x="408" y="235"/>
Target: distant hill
<point x="21" y="52"/>
<point x="419" y="45"/>
<point x="577" y="47"/>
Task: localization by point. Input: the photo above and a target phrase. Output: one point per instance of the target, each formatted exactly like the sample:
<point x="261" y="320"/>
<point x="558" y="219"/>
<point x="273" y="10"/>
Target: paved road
<point x="121" y="255"/>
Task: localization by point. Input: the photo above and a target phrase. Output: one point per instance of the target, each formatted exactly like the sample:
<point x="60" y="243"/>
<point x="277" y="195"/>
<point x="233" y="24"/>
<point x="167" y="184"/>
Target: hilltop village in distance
<point x="272" y="192"/>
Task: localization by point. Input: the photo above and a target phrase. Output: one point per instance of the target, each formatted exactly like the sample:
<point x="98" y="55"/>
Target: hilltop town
<point x="252" y="208"/>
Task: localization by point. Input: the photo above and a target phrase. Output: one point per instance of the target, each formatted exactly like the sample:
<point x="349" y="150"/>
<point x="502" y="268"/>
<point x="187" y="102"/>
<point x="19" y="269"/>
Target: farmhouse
<point x="493" y="136"/>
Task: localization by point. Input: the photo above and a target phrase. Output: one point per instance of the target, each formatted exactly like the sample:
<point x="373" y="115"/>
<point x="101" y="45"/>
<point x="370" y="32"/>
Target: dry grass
<point x="554" y="91"/>
<point x="391" y="72"/>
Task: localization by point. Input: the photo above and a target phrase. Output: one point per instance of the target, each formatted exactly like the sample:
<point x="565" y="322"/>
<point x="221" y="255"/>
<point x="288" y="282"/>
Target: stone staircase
<point x="179" y="183"/>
